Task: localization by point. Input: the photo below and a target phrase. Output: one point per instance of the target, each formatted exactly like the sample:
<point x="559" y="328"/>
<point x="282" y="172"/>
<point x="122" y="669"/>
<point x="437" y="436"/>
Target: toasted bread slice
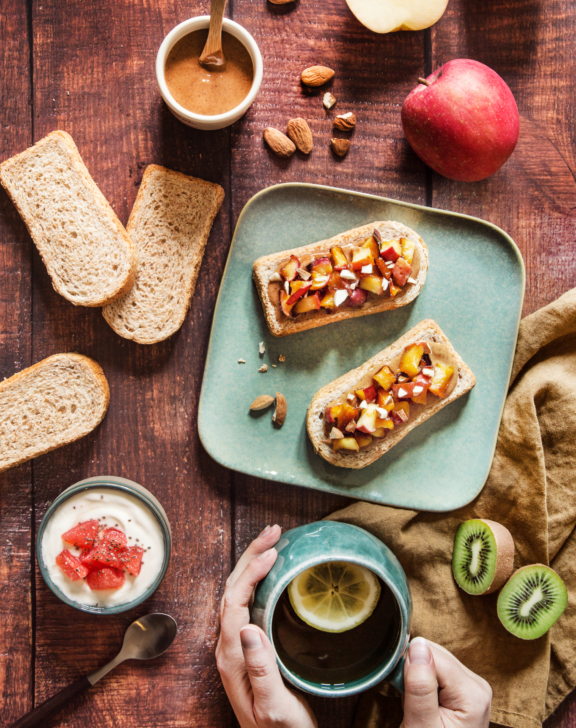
<point x="53" y="403"/>
<point x="426" y="330"/>
<point x="170" y="224"/>
<point x="88" y="254"/>
<point x="281" y="325"/>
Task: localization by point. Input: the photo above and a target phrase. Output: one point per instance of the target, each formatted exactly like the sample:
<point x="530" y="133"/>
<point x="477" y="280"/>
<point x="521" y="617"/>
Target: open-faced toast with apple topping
<point x="372" y="268"/>
<point x="357" y="418"/>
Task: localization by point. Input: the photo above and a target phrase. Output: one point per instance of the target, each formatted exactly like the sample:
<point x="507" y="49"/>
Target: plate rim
<point x="414" y="206"/>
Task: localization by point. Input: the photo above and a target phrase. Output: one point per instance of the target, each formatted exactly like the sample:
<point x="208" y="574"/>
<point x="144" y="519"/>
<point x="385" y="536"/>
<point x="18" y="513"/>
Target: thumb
<point x="265" y="679"/>
<point x="421" y="687"/>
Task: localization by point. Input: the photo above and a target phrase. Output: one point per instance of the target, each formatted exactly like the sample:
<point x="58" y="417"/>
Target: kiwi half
<point x="483" y="556"/>
<point x="532" y="601"/>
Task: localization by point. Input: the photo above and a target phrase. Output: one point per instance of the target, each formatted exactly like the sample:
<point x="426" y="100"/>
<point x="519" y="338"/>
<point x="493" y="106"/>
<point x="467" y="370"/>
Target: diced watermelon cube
<point x="71" y="566"/>
<point x="105" y="578"/>
<point x="83" y="535"/>
<point x="131" y="559"/>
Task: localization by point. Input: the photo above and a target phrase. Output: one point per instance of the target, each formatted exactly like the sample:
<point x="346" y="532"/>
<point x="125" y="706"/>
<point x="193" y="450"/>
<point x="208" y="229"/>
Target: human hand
<point x="244" y="655"/>
<point x="440" y="692"/>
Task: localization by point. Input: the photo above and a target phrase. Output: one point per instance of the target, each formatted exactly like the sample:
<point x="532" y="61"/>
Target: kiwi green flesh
<point x="531" y="602"/>
<point x="475" y="556"/>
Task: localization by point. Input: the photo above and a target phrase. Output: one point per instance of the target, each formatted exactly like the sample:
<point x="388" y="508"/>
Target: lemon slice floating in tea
<point x="334" y="596"/>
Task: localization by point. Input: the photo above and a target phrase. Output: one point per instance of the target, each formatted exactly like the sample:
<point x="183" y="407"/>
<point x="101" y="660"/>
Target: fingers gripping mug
<point x="336" y="664"/>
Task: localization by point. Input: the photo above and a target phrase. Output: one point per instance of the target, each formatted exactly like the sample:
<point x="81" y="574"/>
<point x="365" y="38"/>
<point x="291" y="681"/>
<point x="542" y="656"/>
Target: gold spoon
<point x="212" y="57"/>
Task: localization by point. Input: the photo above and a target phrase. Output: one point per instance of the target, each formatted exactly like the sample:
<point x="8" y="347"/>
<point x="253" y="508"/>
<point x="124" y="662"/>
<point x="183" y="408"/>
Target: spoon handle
<point x="38" y="716"/>
<point x="214" y="40"/>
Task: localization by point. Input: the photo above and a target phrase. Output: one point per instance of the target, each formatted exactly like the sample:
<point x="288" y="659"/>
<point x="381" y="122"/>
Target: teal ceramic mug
<point x="319" y="666"/>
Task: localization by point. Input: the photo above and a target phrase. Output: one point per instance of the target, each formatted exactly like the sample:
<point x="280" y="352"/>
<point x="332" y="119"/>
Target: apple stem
<point x="424" y="81"/>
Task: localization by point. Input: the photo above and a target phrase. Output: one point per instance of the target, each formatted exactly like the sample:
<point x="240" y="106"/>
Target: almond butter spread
<point x="207" y="92"/>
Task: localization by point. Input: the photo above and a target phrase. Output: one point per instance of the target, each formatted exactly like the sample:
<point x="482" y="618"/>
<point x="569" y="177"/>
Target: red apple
<point x="463" y="121"/>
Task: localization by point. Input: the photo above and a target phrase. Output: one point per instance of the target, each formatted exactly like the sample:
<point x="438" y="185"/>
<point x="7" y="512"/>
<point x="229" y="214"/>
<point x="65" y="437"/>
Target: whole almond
<point x="316" y="75"/>
<point x="281" y="409"/>
<point x="340" y="146"/>
<point x="299" y="132"/>
<point x="345" y="122"/>
<point x="278" y="142"/>
<point x="261" y="402"/>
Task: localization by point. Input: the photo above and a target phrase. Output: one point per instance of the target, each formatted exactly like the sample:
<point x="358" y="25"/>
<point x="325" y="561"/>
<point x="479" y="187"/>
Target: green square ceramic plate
<point x="474" y="290"/>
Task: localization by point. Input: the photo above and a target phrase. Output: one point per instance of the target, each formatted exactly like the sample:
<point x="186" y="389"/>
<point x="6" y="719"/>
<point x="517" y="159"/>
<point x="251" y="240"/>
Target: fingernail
<point x="265" y="531"/>
<point x="266" y="554"/>
<point x="277" y="526"/>
<point x="250" y="639"/>
<point x="419" y="652"/>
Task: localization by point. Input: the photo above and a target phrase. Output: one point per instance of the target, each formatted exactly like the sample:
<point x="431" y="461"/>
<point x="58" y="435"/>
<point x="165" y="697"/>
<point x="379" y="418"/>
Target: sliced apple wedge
<point x="310" y="303"/>
<point x="290" y="270"/>
<point x="388" y="16"/>
<point x="390" y="250"/>
<point x="339" y="258"/>
<point x="346" y="443"/>
<point x="385" y="377"/>
<point x="367" y="420"/>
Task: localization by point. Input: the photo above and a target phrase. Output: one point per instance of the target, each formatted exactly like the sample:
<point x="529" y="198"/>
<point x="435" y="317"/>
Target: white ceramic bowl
<point x="199" y="121"/>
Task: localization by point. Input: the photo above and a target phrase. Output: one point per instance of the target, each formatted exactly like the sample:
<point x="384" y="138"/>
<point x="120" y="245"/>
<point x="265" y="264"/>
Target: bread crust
<point x="147" y="180"/>
<point x="427" y="330"/>
<point x="80" y="169"/>
<point x="101" y="381"/>
<point x="280" y="325"/>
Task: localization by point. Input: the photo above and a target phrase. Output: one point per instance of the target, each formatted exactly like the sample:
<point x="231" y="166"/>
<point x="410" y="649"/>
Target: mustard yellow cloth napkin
<point x="531" y="490"/>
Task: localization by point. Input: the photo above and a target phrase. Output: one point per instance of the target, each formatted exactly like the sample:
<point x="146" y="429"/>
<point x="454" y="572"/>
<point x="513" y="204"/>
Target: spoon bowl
<point x="148" y="637"/>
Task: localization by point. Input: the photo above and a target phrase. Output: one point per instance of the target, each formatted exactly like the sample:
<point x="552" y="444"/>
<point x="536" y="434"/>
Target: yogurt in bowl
<point x="104" y="545"/>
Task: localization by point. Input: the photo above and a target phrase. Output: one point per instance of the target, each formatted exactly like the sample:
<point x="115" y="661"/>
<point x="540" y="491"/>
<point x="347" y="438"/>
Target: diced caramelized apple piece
<point x="385" y="423"/>
<point x="319" y="280"/>
<point x="367" y="420"/>
<point x="441" y="379"/>
<point x="379" y="432"/>
<point x="310" y="303"/>
<point x="396" y="418"/>
<point x="339" y="258"/>
<point x="298" y="289"/>
<point x="290" y="270"/>
<point x="362" y="439"/>
<point x="373" y="284"/>
<point x="286" y="310"/>
<point x="383" y="268"/>
<point x="346" y="443"/>
<point x="336" y="283"/>
<point x="410" y="362"/>
<point x="361" y="258"/>
<point x="328" y="300"/>
<point x="322" y="266"/>
<point x="357" y="298"/>
<point x="331" y="414"/>
<point x="408" y="247"/>
<point x="385" y="400"/>
<point x="394" y="290"/>
<point x="368" y="393"/>
<point x="416" y="391"/>
<point x="385" y="377"/>
<point x="372" y="246"/>
<point x="401" y="272"/>
<point x="346" y="415"/>
<point x="390" y="250"/>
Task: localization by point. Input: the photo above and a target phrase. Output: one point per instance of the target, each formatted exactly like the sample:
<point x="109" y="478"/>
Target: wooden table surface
<point x="88" y="68"/>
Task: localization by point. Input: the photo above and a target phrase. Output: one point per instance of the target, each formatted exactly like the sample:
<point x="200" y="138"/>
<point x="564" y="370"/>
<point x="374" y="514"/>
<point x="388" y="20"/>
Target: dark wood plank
<point x="379" y="162"/>
<point x="532" y="196"/>
<point x="16" y="537"/>
<point x="94" y="77"/>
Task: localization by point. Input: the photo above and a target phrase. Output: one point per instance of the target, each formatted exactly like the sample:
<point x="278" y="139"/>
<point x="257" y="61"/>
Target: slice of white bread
<point x="89" y="256"/>
<point x="281" y="325"/>
<point x="53" y="403"/>
<point x="427" y="330"/>
<point x="170" y="224"/>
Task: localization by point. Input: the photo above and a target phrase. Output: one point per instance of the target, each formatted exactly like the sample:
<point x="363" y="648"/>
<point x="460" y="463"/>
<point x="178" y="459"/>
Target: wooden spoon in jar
<point x="212" y="57"/>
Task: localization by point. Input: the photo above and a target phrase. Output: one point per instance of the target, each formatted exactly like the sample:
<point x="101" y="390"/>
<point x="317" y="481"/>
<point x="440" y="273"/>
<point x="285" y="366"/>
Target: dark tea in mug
<point x="335" y="658"/>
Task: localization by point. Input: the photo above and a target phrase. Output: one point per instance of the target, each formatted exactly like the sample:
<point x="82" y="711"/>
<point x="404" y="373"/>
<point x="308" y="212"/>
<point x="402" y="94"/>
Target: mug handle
<point x="396" y="677"/>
